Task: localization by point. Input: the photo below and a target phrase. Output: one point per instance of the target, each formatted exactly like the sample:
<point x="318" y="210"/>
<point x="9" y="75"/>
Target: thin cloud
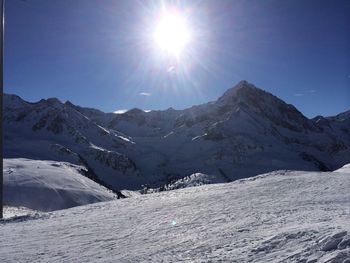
<point x="144" y="94"/>
<point x="121" y="111"/>
<point x="305" y="93"/>
<point x="171" y="69"/>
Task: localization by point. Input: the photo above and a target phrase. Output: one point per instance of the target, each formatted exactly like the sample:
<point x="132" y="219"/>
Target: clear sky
<point x="101" y="53"/>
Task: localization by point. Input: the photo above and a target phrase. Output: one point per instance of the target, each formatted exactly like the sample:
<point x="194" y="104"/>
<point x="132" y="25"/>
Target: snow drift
<point x="49" y="185"/>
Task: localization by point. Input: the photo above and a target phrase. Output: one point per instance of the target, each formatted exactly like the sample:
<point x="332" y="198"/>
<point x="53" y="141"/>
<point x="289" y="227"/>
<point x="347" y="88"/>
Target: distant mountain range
<point x="247" y="131"/>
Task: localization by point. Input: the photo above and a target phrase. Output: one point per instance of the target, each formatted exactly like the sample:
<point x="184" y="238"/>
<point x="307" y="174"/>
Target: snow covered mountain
<point x="51" y="130"/>
<point x="283" y="216"/>
<point x="247" y="131"/>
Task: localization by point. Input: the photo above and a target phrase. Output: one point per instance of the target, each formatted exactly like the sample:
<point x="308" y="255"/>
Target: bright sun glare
<point x="172" y="33"/>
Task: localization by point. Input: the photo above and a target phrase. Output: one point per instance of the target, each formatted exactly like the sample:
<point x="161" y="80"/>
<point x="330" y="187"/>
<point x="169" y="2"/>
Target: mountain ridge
<point x="244" y="132"/>
<point x="241" y="84"/>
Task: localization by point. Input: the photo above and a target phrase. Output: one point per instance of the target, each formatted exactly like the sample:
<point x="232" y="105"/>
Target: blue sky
<point x="98" y="53"/>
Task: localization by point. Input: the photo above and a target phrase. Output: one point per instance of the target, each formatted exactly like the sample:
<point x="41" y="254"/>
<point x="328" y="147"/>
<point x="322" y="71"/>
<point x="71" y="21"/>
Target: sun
<point x="172" y="33"/>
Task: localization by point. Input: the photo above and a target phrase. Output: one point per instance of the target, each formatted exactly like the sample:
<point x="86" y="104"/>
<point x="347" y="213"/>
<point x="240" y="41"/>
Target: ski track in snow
<point x="281" y="217"/>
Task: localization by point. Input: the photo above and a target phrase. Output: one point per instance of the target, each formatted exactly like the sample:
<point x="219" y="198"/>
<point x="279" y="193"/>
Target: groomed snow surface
<point x="284" y="216"/>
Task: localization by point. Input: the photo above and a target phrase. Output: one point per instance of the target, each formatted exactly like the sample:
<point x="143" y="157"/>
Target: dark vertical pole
<point x="1" y="103"/>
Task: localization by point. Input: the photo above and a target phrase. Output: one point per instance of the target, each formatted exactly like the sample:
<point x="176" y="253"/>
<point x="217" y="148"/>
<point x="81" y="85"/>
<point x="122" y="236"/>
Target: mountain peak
<point x="13" y="101"/>
<point x="243" y="90"/>
<point x="68" y="103"/>
<point x="134" y="111"/>
<point x="341" y="116"/>
<point x="257" y="101"/>
<point x="244" y="83"/>
<point x="52" y="101"/>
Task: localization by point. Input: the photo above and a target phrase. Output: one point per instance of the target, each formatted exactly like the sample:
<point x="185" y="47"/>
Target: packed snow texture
<point x="49" y="185"/>
<point x="283" y="216"/>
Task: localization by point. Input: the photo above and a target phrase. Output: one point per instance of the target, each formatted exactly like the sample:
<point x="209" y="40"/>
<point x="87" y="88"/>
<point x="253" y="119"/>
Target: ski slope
<point x="49" y="185"/>
<point x="283" y="216"/>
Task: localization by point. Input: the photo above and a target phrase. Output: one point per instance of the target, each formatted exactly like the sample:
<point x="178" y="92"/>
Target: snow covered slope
<point x="247" y="131"/>
<point x="284" y="216"/>
<point x="344" y="169"/>
<point x="49" y="185"/>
